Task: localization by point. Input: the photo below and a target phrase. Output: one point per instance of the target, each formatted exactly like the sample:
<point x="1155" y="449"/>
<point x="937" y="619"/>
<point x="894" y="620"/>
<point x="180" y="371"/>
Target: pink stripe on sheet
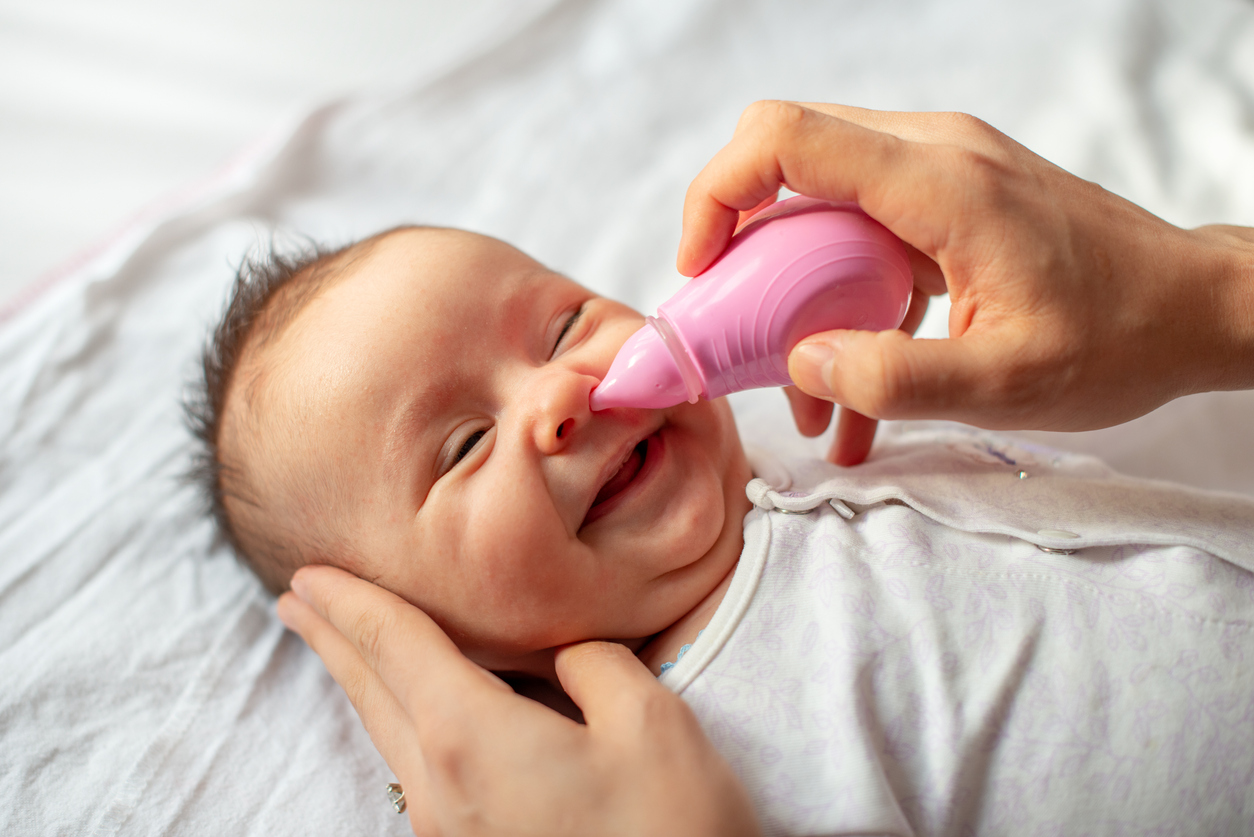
<point x="162" y="207"/>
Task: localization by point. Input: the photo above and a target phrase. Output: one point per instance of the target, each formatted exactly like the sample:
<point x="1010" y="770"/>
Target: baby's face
<point x="438" y="396"/>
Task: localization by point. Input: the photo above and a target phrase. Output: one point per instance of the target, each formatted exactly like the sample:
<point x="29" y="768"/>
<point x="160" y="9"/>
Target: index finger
<point x="775" y="144"/>
<point x="606" y="681"/>
<point x="928" y="128"/>
<point x="831" y="152"/>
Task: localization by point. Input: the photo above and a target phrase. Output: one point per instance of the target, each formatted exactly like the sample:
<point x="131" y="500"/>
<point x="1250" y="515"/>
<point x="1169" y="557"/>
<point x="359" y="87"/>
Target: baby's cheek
<point x="527" y="587"/>
<point x="699" y="521"/>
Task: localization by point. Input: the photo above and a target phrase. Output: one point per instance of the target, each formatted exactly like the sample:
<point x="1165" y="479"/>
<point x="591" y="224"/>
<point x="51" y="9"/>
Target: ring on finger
<point x="396" y="795"/>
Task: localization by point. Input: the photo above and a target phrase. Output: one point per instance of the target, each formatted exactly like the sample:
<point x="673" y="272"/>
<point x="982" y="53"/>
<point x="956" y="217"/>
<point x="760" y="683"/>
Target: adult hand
<point x="476" y="759"/>
<point x="1071" y="308"/>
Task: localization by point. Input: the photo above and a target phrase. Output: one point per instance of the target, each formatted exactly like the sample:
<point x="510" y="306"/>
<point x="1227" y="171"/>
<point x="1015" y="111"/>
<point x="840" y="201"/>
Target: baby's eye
<point x="468" y="445"/>
<point x="574" y="318"/>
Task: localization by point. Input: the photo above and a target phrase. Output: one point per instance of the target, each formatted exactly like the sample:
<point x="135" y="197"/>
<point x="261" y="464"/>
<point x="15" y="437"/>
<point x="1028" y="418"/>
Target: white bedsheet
<point x="148" y="687"/>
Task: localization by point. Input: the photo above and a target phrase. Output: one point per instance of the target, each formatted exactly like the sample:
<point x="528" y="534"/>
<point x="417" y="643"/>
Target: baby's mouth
<point x="626" y="473"/>
<point x="618" y="483"/>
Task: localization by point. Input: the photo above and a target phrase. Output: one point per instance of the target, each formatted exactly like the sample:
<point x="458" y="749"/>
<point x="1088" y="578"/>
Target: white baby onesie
<point x="924" y="667"/>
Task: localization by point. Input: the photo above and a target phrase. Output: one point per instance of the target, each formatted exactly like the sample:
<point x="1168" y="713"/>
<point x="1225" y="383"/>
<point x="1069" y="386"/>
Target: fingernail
<point x="681" y="260"/>
<point x="288" y="609"/>
<point x="810" y="366"/>
<point x="298" y="587"/>
<point x="280" y="610"/>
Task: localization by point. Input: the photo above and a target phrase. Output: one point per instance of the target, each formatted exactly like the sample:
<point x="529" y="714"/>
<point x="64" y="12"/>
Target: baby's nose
<point x="562" y="409"/>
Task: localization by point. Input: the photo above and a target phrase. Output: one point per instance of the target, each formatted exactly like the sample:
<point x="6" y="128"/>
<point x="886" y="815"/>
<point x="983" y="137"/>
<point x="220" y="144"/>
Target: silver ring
<point x="396" y="795"/>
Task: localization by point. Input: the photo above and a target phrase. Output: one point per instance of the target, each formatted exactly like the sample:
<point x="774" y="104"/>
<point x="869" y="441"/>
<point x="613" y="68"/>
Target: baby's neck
<point x="664" y="647"/>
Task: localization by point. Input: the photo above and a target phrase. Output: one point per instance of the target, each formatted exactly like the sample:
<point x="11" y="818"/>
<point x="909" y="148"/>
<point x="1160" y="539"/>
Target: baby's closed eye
<point x="468" y="445"/>
<point x="570" y="323"/>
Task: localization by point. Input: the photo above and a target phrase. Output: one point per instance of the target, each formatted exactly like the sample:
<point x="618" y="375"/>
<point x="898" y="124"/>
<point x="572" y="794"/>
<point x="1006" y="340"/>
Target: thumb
<point x="889" y="375"/>
<point x="606" y="680"/>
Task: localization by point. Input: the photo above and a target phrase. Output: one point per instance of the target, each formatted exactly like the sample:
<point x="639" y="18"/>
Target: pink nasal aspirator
<point x="798" y="267"/>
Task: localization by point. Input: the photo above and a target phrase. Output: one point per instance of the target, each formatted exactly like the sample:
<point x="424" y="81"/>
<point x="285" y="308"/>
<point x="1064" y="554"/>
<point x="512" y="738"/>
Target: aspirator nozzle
<point x="643" y="374"/>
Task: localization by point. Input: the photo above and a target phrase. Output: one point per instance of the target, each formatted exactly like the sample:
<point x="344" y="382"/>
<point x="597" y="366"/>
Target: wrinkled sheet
<point x="148" y="687"/>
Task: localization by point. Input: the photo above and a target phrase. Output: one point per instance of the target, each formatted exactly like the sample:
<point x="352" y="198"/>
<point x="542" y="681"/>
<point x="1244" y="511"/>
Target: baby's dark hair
<point x="269" y="291"/>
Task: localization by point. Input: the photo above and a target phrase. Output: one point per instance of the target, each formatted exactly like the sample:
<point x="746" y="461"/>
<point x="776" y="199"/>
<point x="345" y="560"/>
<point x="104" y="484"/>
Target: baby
<point x="965" y="635"/>
<point x="414" y="409"/>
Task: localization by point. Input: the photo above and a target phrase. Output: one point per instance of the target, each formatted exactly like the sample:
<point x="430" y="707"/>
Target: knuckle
<point x="982" y="176"/>
<point x="891" y="380"/>
<point x="664" y="711"/>
<point x="966" y="125"/>
<point x="444" y="754"/>
<point x="371" y="630"/>
<point x="366" y="630"/>
<point x="755" y="110"/>
<point x="774" y="115"/>
<point x="975" y="166"/>
<point x="356" y="684"/>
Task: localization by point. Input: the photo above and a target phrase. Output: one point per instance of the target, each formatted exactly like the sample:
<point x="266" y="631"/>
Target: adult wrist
<point x="1227" y="267"/>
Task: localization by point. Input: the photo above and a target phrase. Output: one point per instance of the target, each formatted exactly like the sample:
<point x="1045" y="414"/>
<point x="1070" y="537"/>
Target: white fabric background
<point x="148" y="687"/>
<point x="105" y="106"/>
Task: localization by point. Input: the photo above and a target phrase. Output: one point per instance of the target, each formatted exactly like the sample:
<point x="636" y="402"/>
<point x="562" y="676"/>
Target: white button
<point x="841" y="508"/>
<point x="1056" y="533"/>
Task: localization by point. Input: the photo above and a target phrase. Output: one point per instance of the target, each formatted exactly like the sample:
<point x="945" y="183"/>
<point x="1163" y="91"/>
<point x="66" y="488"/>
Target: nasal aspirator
<point x="799" y="267"/>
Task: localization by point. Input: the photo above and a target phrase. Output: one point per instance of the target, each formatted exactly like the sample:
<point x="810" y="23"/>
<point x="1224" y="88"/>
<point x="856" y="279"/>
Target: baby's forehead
<point x="451" y="280"/>
<point x="450" y="261"/>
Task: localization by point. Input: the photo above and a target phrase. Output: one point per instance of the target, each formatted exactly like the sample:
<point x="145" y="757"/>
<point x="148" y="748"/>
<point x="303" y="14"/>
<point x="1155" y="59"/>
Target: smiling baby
<point x="414" y="409"/>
